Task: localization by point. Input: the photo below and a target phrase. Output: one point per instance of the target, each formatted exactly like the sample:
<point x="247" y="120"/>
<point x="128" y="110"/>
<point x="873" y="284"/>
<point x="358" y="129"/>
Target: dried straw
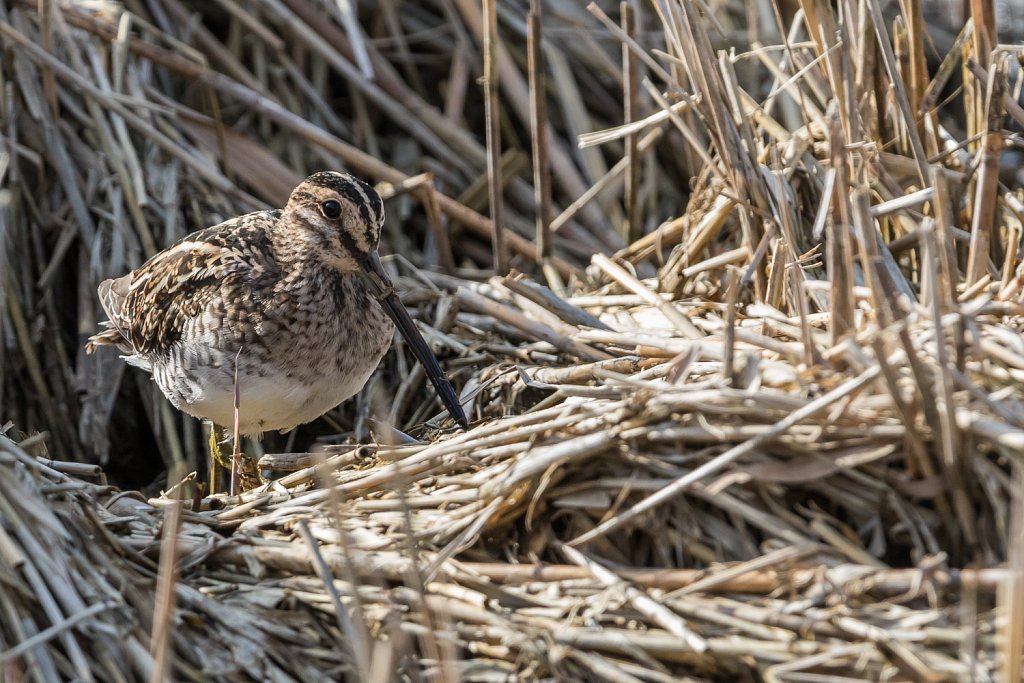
<point x="776" y="436"/>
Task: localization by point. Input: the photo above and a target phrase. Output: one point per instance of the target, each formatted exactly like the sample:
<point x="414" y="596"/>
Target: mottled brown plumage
<point x="293" y="301"/>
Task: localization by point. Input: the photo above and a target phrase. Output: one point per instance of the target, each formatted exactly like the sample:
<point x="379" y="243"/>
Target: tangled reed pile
<point x="766" y="425"/>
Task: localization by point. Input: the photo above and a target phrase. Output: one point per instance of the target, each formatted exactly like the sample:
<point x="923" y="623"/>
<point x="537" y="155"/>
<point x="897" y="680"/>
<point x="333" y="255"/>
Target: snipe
<point x="294" y="303"/>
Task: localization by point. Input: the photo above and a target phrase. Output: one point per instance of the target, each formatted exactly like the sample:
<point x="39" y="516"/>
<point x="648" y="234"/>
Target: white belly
<point x="274" y="402"/>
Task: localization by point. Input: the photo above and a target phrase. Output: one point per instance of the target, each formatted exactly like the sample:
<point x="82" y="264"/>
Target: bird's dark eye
<point x="331" y="208"/>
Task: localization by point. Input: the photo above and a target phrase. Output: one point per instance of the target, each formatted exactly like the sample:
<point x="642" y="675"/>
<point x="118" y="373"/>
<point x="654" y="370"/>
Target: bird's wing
<point x="149" y="307"/>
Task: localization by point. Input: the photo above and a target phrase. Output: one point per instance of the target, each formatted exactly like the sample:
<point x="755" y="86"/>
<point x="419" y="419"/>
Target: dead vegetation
<point x="764" y="425"/>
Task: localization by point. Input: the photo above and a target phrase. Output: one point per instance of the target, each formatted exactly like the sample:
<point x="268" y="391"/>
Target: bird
<point x="291" y="307"/>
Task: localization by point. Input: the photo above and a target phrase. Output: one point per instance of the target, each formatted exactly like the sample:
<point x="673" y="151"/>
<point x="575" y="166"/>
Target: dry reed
<point x="775" y="435"/>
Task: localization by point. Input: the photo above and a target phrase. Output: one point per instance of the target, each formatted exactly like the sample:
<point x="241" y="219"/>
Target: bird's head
<point x="343" y="215"/>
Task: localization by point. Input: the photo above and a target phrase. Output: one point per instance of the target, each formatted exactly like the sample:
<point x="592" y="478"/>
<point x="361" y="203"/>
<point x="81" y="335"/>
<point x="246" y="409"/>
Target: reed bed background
<point x="747" y="387"/>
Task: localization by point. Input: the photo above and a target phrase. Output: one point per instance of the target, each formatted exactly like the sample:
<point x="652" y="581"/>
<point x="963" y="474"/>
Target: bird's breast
<point x="306" y="351"/>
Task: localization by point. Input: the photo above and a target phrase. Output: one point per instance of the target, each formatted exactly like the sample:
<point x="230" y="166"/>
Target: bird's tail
<point x="111" y="336"/>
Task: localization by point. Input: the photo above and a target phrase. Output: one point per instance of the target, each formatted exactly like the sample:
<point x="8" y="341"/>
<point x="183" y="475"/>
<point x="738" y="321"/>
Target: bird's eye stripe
<point x="373" y="201"/>
<point x="371" y="207"/>
<point x="349" y="244"/>
<point x="378" y="206"/>
<point x="355" y="194"/>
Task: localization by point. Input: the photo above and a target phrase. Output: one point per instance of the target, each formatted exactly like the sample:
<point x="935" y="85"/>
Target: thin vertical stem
<point x="236" y="450"/>
<point x="839" y="255"/>
<point x="918" y="84"/>
<point x="630" y="105"/>
<point x="944" y="223"/>
<point x="899" y="91"/>
<point x="986" y="186"/>
<point x="984" y="21"/>
<point x="733" y="277"/>
<point x="538" y="127"/>
<point x="984" y="15"/>
<point x="493" y="119"/>
<point x="163" y="608"/>
<point x="1011" y="594"/>
<point x="428" y="196"/>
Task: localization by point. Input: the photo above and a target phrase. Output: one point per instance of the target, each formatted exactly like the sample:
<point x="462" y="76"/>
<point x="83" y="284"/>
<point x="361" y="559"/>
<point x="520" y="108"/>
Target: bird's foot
<point x="221" y="459"/>
<point x="248" y="473"/>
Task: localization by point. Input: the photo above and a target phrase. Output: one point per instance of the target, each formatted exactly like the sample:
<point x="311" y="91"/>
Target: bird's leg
<point x="219" y="461"/>
<point x="218" y="436"/>
<point x="243" y="470"/>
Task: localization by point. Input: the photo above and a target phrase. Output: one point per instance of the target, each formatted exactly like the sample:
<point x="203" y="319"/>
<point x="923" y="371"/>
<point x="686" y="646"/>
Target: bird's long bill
<point x="380" y="287"/>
